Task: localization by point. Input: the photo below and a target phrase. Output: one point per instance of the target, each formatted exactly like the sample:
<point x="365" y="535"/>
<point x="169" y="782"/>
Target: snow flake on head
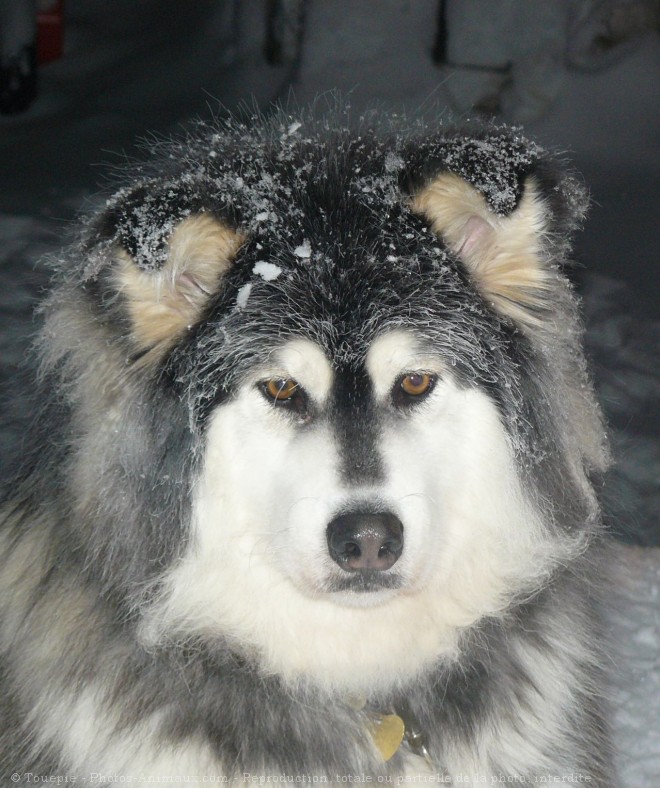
<point x="393" y="162"/>
<point x="293" y="127"/>
<point x="304" y="251"/>
<point x="243" y="295"/>
<point x="267" y="271"/>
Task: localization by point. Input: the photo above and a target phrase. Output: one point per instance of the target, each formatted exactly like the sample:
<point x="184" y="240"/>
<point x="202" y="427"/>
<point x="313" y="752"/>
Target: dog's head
<point x="360" y="361"/>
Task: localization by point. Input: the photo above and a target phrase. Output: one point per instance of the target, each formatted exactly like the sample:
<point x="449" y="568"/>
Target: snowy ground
<point x="132" y="68"/>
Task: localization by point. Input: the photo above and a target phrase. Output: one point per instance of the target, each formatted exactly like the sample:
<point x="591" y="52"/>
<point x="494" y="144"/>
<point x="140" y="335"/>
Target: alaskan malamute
<point x="309" y="495"/>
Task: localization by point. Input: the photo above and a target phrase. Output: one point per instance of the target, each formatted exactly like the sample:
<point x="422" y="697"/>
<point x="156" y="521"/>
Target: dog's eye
<point x="287" y="394"/>
<point x="281" y="389"/>
<point x="412" y="387"/>
<point x="416" y="383"/>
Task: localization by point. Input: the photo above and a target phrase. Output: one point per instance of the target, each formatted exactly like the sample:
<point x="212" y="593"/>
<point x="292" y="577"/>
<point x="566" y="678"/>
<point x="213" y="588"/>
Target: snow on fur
<point x="258" y="176"/>
<point x="272" y="164"/>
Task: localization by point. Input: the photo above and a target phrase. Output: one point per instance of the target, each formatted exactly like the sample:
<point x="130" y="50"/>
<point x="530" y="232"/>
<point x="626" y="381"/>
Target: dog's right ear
<point x="162" y="304"/>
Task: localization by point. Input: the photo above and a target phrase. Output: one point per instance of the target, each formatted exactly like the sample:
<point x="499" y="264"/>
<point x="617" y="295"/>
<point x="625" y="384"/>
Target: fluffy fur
<point x="170" y="603"/>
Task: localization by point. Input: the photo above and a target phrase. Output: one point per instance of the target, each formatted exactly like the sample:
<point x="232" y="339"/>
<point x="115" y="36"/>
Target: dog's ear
<point x="162" y="304"/>
<point x="504" y="255"/>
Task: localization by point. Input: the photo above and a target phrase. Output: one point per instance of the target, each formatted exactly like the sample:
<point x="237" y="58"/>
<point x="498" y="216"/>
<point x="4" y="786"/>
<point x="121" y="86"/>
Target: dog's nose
<point x="361" y="541"/>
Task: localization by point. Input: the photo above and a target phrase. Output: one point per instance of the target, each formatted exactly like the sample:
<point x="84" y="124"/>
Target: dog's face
<point x="354" y="486"/>
<point x="348" y="523"/>
<point x="358" y="367"/>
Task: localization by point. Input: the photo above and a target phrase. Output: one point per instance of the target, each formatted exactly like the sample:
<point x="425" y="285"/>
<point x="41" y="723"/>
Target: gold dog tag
<point x="387" y="732"/>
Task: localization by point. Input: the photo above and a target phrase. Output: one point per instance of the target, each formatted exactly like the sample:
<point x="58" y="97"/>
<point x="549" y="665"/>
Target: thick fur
<point x="169" y="606"/>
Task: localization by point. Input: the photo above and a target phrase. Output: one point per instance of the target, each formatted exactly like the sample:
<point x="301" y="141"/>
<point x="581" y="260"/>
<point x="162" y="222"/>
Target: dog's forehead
<point x="395" y="352"/>
<point x="386" y="357"/>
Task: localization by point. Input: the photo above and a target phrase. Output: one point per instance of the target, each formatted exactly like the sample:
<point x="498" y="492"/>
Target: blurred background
<point x="81" y="82"/>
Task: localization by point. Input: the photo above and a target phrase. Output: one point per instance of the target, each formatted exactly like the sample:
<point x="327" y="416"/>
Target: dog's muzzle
<point x="365" y="543"/>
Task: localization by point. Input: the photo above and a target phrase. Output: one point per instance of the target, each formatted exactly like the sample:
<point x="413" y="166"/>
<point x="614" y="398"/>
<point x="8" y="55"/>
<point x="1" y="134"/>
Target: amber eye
<point x="415" y="384"/>
<point x="281" y="389"/>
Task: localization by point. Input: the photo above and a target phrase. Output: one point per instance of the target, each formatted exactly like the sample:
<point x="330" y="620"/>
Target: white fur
<point x="86" y="730"/>
<point x="258" y="562"/>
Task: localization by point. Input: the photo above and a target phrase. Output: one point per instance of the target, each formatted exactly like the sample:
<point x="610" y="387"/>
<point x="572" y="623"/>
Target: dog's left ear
<point x="504" y="255"/>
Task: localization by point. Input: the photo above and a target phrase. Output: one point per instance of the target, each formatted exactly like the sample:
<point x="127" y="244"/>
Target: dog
<point x="311" y="489"/>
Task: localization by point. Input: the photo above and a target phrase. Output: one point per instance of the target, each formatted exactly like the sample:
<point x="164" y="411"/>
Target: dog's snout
<point x="361" y="541"/>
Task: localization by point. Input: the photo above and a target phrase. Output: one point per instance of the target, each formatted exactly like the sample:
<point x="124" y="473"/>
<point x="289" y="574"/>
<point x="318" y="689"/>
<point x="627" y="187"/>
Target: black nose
<point x="359" y="541"/>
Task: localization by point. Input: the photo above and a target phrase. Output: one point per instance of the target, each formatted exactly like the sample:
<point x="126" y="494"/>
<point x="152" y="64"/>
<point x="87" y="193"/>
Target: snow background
<point x="131" y="69"/>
